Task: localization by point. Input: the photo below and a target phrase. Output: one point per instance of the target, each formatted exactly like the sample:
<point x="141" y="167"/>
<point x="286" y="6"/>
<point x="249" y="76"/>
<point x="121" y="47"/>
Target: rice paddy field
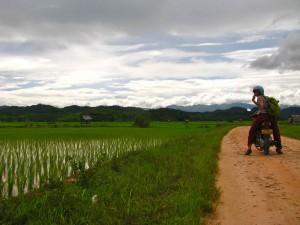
<point x="31" y="158"/>
<point x="109" y="173"/>
<point x="26" y="165"/>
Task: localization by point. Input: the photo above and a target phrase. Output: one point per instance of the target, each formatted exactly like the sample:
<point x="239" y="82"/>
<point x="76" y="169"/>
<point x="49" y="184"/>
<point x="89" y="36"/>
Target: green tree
<point x="141" y="121"/>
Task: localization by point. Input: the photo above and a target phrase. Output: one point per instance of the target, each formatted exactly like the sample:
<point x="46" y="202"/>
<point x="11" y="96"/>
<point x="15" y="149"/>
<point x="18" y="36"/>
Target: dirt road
<point x="257" y="189"/>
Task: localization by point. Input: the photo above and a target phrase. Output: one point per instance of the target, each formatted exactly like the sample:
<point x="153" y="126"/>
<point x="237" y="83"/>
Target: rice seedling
<point x="26" y="165"/>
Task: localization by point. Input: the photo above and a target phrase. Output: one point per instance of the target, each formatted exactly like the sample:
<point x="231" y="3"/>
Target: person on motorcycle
<point x="260" y="116"/>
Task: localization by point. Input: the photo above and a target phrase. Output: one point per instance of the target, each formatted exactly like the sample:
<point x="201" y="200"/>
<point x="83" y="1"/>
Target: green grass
<point x="172" y="184"/>
<point x="110" y="129"/>
<point x="63" y="124"/>
<point x="290" y="130"/>
<point x="94" y="124"/>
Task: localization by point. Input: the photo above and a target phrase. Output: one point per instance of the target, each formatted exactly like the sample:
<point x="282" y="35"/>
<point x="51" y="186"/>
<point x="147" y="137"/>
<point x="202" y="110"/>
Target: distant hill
<point x="214" y="107"/>
<point x="74" y="113"/>
<point x="211" y="108"/>
<point x="285" y="113"/>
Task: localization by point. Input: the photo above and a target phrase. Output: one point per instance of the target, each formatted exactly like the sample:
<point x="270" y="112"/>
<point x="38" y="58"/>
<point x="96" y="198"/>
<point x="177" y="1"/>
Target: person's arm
<point x="254" y="101"/>
<point x="260" y="102"/>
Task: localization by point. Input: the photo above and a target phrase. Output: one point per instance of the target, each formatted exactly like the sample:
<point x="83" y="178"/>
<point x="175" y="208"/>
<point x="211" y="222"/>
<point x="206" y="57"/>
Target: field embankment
<point x="258" y="189"/>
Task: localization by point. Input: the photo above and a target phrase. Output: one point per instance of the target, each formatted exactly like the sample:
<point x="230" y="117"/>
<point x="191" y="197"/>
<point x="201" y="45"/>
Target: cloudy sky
<point x="148" y="53"/>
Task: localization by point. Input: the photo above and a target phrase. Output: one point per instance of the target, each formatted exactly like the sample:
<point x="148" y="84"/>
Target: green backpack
<point x="273" y="106"/>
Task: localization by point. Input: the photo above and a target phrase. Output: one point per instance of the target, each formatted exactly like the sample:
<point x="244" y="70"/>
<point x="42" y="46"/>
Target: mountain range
<point x="214" y="107"/>
<point x="49" y="113"/>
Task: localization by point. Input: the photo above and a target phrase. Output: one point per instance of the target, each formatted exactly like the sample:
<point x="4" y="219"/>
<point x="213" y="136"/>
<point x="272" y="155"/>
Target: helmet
<point x="260" y="89"/>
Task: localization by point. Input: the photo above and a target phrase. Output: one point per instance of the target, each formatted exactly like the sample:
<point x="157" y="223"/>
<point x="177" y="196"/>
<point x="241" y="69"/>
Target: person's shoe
<point x="278" y="147"/>
<point x="279" y="150"/>
<point x="248" y="152"/>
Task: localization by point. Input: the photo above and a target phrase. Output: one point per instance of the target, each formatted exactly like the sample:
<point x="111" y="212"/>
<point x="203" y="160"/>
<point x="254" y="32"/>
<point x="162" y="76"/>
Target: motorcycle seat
<point x="267" y="131"/>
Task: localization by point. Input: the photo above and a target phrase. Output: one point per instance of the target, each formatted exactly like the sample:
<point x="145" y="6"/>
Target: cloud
<point x="136" y="75"/>
<point x="253" y="38"/>
<point x="151" y="93"/>
<point x="287" y="57"/>
<point x="142" y="52"/>
<point x="150" y="85"/>
<point x="201" y="44"/>
<point x="248" y="55"/>
<point x="84" y="19"/>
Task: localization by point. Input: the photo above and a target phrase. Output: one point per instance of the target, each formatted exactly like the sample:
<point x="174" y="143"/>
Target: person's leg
<point x="251" y="136"/>
<point x="276" y="134"/>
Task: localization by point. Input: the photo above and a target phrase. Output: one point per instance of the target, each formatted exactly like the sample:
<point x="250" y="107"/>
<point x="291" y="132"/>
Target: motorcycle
<point x="264" y="139"/>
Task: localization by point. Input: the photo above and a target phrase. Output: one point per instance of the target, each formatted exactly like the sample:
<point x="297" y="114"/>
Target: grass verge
<point x="290" y="130"/>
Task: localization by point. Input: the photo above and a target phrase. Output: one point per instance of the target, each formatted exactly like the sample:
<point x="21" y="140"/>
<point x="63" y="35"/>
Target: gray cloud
<point x="77" y="19"/>
<point x="130" y="52"/>
<point x="10" y="81"/>
<point x="28" y="47"/>
<point x="287" y="57"/>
